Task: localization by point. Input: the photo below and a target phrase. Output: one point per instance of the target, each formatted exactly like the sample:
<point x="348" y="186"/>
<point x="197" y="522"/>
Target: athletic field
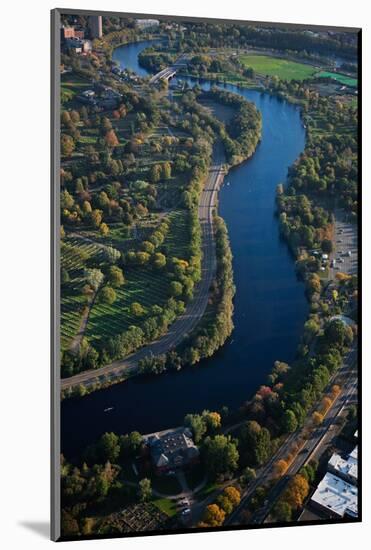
<point x="341" y="78"/>
<point x="273" y="66"/>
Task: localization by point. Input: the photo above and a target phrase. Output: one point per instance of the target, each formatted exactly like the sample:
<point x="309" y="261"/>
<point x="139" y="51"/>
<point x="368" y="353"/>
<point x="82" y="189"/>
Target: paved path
<point x="195" y="309"/>
<point x="76" y="341"/>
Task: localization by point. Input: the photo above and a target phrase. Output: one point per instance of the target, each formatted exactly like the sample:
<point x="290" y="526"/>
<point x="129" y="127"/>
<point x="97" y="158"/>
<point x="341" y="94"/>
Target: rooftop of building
<point x="345" y="467"/>
<point x="354" y="454"/>
<point x="337" y="496"/>
<point x="173" y="448"/>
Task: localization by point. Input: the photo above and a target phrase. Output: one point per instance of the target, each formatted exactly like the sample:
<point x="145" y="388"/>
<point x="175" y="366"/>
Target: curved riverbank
<point x="238" y="149"/>
<point x="270" y="306"/>
<point x="184" y="325"/>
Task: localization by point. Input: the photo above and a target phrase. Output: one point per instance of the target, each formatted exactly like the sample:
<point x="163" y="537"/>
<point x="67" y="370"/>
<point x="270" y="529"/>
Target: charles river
<point x="270" y="306"/>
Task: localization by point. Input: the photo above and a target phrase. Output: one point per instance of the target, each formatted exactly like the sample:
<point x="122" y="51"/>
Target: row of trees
<point x="208" y="336"/>
<point x="295" y="494"/>
<point x="216" y="513"/>
<point x="199" y="37"/>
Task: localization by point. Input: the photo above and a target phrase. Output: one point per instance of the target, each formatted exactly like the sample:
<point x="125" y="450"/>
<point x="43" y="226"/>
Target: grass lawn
<point x="341" y="78"/>
<point x="143" y="285"/>
<point x="166" y="506"/>
<point x="72" y="84"/>
<point x="74" y="255"/>
<point x="273" y="66"/>
<point x="88" y="140"/>
<point x="177" y="239"/>
<point x="206" y="491"/>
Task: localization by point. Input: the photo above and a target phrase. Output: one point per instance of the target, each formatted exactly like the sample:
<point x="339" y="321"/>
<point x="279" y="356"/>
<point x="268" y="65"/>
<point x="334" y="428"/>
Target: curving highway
<point x="186" y="322"/>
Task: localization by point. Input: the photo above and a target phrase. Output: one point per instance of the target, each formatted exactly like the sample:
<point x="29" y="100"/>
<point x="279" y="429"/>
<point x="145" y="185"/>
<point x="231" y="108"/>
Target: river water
<point x="270" y="306"/>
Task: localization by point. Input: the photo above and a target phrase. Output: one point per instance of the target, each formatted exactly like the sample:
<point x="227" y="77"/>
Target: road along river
<point x="270" y="306"/>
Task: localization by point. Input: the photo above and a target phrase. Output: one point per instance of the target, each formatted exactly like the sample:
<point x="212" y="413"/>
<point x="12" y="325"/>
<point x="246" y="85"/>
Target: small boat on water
<point x="228" y="182"/>
<point x="108" y="409"/>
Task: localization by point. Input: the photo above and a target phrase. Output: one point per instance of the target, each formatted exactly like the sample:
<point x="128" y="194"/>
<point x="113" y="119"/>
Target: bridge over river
<point x="169" y="72"/>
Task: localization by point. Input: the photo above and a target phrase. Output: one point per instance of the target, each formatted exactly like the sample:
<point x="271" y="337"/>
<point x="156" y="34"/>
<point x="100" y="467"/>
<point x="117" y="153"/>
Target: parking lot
<point x="346" y="250"/>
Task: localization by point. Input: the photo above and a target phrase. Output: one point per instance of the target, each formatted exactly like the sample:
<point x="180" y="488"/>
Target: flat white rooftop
<point x="336" y="496"/>
<point x="345" y="468"/>
<point x="354" y="454"/>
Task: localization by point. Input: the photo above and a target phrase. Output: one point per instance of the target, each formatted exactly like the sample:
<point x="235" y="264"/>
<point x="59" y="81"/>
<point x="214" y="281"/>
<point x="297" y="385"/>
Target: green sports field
<point x="273" y="66"/>
<point x="342" y="78"/>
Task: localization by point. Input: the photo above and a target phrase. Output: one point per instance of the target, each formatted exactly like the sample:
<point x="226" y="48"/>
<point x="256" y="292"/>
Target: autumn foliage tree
<point x="214" y="516"/>
<point x="335" y="390"/>
<point x="233" y="494"/>
<point x="280" y="467"/>
<point x="111" y="138"/>
<point x="213" y="420"/>
<point x="326" y="404"/>
<point x="67" y="145"/>
<point x="317" y="418"/>
<point x="104" y="229"/>
<point x="296" y="491"/>
<point x="155" y="173"/>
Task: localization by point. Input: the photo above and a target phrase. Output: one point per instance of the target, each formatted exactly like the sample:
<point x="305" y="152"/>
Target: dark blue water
<point x="130" y="52"/>
<point x="270" y="307"/>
